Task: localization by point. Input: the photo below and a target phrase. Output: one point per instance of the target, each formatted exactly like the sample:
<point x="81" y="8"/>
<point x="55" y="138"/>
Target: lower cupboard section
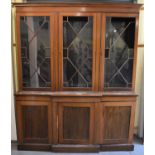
<point x="75" y="124"/>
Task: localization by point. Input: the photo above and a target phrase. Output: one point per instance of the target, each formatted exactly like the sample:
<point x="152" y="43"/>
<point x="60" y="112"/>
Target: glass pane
<point x="35" y="51"/>
<point x="77" y="51"/>
<point x="119" y="47"/>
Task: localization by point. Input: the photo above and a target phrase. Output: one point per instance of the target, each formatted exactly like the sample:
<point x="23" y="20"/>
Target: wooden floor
<point x="139" y="150"/>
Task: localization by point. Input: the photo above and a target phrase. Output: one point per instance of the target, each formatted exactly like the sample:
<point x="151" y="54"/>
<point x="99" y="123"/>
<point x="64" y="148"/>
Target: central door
<point x="77" y="51"/>
<point x="76" y="122"/>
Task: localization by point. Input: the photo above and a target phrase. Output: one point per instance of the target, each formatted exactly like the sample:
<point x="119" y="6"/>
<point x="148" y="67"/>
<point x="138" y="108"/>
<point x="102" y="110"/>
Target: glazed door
<point x="35" y="51"/>
<point x="119" y="46"/>
<point x="77" y="51"/>
<point x="76" y="122"/>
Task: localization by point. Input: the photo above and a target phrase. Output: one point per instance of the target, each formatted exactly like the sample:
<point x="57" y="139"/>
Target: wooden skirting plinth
<point x="117" y="147"/>
<point x="34" y="147"/>
<point x="76" y="148"/>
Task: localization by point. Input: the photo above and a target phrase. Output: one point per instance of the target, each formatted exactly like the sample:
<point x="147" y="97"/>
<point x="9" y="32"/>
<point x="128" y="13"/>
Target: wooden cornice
<point x="106" y="7"/>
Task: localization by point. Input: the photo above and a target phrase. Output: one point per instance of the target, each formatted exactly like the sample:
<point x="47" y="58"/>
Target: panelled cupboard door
<point x="33" y="121"/>
<point x="117" y="123"/>
<point x="35" y="32"/>
<point x="76" y="122"/>
<point x="77" y="47"/>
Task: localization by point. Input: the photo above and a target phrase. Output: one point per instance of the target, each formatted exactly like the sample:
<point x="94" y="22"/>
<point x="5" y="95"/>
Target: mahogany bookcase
<point x="76" y="74"/>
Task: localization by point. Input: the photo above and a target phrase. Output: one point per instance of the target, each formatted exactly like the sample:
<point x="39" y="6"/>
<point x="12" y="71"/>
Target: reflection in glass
<point x="77" y="51"/>
<point x="35" y="51"/>
<point x="119" y="47"/>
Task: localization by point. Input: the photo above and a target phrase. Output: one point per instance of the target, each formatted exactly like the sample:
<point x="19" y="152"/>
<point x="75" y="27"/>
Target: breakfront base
<point x="34" y="147"/>
<point x="76" y="148"/>
<point x="117" y="147"/>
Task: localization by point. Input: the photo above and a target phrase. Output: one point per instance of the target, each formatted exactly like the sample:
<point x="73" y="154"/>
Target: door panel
<point x="33" y="121"/>
<point x="74" y="130"/>
<point x="76" y="123"/>
<point x="116" y="124"/>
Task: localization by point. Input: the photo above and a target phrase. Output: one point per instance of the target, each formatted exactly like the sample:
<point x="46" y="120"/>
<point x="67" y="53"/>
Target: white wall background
<point x="13" y="124"/>
<point x="13" y="85"/>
